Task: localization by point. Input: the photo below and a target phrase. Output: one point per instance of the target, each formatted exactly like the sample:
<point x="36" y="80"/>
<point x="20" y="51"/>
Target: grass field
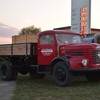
<point x="46" y="89"/>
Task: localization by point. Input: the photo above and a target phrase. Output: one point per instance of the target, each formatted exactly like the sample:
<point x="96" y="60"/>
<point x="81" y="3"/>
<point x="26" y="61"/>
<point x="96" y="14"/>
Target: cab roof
<point x="58" y="32"/>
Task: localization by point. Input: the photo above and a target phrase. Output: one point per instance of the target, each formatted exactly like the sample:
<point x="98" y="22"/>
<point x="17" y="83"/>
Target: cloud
<point x="7" y="31"/>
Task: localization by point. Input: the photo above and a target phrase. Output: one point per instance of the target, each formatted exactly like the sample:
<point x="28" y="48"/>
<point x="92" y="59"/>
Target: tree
<point x="30" y="30"/>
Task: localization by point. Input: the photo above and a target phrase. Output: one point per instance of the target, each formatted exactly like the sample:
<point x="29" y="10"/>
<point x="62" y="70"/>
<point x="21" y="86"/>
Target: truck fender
<point x="57" y="59"/>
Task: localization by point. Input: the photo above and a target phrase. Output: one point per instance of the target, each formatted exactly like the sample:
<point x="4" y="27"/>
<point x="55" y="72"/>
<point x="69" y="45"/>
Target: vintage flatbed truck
<point x="59" y="53"/>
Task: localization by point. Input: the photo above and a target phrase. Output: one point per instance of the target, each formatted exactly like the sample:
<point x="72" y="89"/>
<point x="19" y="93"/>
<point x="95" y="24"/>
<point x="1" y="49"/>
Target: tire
<point x="35" y="75"/>
<point x="93" y="76"/>
<point x="7" y="72"/>
<point x="61" y="74"/>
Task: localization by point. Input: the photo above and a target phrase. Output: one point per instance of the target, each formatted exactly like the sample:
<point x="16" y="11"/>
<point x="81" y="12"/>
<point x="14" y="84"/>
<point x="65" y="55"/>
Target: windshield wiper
<point x="60" y="40"/>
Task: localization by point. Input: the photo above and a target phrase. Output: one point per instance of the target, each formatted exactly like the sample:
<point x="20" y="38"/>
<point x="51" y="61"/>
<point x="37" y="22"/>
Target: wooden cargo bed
<point x="20" y="49"/>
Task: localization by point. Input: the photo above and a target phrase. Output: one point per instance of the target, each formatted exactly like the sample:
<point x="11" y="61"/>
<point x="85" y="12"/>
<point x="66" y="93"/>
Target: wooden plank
<point x="27" y="38"/>
<point x="19" y="49"/>
<point x="31" y="38"/>
<point x="19" y="39"/>
<point x="5" y="50"/>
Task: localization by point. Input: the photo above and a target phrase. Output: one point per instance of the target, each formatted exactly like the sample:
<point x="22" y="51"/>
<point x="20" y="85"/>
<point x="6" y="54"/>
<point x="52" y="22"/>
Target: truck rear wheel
<point x="6" y="72"/>
<point x="61" y="74"/>
<point x="93" y="76"/>
<point x="35" y="75"/>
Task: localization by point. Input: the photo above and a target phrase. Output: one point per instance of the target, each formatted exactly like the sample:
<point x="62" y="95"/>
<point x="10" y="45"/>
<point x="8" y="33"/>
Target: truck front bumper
<point x="85" y="69"/>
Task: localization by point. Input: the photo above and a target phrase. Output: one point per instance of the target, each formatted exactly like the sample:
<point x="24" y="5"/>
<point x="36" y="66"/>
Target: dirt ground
<point x="6" y="89"/>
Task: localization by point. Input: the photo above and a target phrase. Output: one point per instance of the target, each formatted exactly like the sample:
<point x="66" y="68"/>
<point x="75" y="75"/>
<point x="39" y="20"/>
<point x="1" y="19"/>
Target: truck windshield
<point x="68" y="38"/>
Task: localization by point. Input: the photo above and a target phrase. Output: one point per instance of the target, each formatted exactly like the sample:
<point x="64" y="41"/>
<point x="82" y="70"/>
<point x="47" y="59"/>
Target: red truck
<point x="59" y="53"/>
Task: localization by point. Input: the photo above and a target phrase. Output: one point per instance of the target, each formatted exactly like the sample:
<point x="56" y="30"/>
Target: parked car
<point x="92" y="38"/>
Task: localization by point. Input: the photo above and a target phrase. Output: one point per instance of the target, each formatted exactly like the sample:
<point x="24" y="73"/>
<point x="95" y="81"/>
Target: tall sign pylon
<point x="81" y="16"/>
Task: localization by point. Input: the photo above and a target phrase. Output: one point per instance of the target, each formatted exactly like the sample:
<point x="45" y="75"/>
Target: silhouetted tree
<point x="30" y="30"/>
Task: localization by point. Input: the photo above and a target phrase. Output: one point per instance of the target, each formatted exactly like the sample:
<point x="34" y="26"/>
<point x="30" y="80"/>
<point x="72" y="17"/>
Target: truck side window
<point x="47" y="39"/>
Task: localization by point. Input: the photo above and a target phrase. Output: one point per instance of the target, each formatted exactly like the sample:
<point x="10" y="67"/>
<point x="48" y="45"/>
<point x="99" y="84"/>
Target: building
<point x="68" y="28"/>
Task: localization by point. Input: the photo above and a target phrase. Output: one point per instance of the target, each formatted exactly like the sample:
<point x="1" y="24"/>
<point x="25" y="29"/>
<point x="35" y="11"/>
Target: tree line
<point x="30" y="30"/>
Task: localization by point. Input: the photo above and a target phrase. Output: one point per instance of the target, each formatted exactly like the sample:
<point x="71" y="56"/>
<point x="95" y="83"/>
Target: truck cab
<point x="50" y="45"/>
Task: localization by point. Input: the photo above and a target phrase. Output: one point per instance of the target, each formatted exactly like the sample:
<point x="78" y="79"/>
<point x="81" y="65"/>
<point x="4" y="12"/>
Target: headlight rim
<point x="85" y="62"/>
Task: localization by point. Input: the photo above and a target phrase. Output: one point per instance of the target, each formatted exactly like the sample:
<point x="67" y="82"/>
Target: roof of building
<point x="68" y="27"/>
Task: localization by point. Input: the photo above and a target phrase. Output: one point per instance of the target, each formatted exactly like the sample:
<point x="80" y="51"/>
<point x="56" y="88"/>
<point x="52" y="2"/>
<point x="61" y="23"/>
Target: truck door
<point x="46" y="49"/>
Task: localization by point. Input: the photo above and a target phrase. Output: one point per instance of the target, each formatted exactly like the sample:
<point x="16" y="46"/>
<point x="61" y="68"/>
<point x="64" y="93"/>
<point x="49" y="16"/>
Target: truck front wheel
<point x="7" y="73"/>
<point x="61" y="74"/>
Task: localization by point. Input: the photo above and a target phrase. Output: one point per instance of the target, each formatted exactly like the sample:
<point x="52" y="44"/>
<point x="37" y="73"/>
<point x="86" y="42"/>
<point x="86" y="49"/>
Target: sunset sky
<point x="46" y="14"/>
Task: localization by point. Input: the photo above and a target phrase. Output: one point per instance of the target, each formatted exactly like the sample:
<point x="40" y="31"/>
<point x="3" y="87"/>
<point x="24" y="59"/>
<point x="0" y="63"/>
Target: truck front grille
<point x="75" y="53"/>
<point x="96" y="57"/>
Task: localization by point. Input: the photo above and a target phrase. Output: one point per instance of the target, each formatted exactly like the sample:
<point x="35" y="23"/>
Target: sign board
<point x="81" y="16"/>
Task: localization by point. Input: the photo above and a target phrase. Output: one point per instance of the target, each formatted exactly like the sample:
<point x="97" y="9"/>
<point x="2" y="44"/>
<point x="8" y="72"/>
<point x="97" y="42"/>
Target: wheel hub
<point x="61" y="75"/>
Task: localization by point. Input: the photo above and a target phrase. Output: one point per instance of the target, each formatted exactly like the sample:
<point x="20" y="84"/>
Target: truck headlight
<point x="85" y="62"/>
